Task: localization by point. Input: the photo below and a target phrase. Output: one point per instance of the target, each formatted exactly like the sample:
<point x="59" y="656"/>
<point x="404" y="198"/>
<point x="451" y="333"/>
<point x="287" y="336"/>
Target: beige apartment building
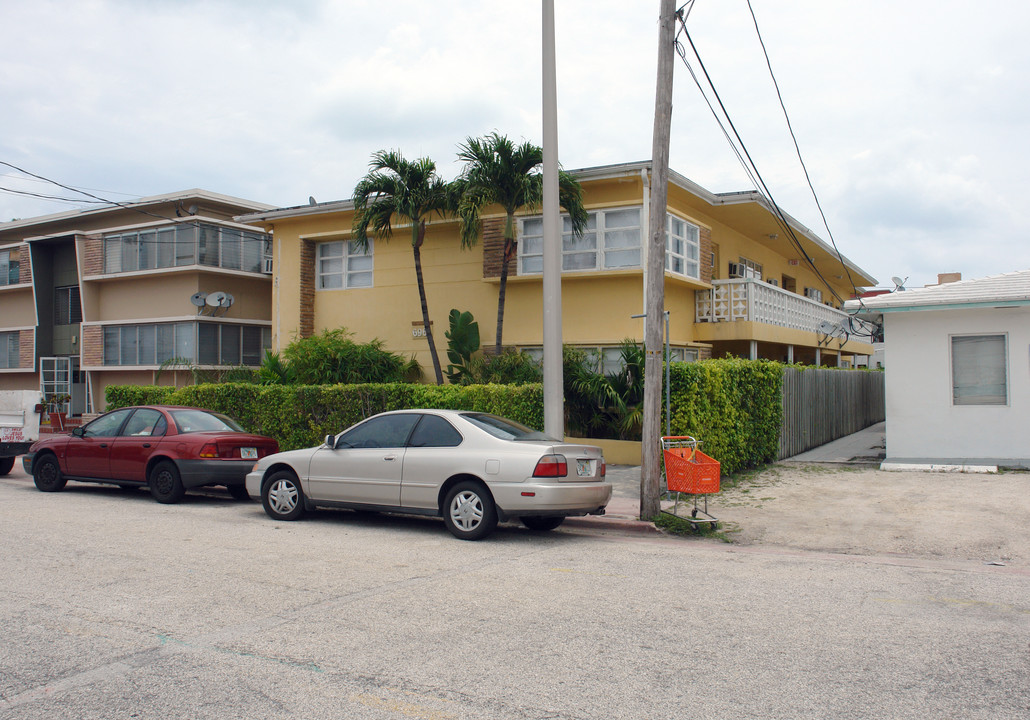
<point x="123" y="293"/>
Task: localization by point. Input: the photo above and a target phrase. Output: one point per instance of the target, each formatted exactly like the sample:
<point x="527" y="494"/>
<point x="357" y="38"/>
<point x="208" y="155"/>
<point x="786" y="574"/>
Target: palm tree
<point x="499" y="172"/>
<point x="412" y="191"/>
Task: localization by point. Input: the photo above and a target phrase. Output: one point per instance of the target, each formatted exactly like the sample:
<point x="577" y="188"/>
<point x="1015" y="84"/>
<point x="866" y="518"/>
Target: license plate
<point x="583" y="468"/>
<point x="248" y="453"/>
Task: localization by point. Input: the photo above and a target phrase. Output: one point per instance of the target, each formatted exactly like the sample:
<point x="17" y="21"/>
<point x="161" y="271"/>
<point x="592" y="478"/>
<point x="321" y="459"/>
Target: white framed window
<point x="10" y="346"/>
<point x="342" y="264"/>
<point x="682" y="247"/>
<point x="979" y="369"/>
<point x="610" y="241"/>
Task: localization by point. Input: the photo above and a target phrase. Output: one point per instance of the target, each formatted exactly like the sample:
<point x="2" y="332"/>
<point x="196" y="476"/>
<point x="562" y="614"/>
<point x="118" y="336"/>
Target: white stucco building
<point x="958" y="371"/>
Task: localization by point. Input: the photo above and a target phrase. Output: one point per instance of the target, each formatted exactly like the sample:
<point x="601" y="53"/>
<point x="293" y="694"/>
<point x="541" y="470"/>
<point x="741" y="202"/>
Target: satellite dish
<point x="199" y="299"/>
<point x="899" y="284"/>
<point x="192" y="209"/>
<point x="215" y="299"/>
<point x="311" y="200"/>
<point x="227" y="300"/>
<point x="827" y="328"/>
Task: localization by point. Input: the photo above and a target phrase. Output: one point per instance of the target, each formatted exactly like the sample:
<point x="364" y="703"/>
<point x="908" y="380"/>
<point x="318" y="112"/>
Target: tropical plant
<point x="462" y="342"/>
<point x="275" y="370"/>
<point x="499" y="172"/>
<point x="509" y="368"/>
<point x="412" y="191"/>
<point x="607" y="406"/>
<point x="331" y="357"/>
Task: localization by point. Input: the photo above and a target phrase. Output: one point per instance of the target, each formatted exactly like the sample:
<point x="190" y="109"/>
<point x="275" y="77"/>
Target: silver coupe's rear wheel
<point x="469" y="511"/>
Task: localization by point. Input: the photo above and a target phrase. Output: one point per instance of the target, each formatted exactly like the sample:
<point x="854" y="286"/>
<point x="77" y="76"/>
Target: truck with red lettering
<point x="20" y="412"/>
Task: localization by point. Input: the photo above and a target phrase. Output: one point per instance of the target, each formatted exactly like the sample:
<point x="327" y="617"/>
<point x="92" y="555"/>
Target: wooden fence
<point x="820" y="405"/>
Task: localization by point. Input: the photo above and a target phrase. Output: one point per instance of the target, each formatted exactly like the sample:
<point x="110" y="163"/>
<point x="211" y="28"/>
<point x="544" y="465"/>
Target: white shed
<point x="958" y="372"/>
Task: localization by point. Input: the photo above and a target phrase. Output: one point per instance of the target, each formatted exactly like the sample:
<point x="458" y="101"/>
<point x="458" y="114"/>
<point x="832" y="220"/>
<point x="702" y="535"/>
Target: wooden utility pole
<point x="650" y="490"/>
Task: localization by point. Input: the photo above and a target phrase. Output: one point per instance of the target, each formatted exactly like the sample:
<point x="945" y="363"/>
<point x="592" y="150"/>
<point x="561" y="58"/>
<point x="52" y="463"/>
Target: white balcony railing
<point x="756" y="301"/>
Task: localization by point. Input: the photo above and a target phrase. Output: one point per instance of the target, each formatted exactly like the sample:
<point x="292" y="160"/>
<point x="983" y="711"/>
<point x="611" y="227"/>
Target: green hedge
<point x="733" y="406"/>
<point x="300" y="416"/>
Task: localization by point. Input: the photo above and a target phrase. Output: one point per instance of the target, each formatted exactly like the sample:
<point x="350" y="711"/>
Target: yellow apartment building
<point x="103" y="296"/>
<point x="736" y="282"/>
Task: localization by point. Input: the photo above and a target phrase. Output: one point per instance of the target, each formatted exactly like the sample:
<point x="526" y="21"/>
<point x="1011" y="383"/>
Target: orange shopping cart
<point x="689" y="471"/>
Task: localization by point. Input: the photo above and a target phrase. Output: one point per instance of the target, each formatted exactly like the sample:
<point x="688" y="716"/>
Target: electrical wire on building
<point x="733" y="138"/>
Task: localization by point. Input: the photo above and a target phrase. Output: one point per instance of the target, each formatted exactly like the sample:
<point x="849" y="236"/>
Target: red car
<point x="168" y="449"/>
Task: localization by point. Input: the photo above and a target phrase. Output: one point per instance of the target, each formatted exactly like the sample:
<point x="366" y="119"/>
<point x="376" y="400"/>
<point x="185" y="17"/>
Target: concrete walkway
<point x="866" y="447"/>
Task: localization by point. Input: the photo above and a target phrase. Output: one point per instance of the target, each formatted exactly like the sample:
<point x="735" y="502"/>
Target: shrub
<point x="332" y="357"/>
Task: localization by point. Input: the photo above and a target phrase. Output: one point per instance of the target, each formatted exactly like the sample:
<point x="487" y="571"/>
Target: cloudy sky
<point x="912" y="117"/>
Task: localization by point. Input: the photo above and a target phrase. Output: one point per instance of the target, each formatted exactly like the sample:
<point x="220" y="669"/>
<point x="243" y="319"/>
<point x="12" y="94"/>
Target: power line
<point x="93" y="198"/>
<point x="797" y="149"/>
<point x="744" y="156"/>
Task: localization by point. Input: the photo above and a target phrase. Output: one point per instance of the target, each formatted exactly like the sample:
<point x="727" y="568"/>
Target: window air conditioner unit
<point x="738" y="270"/>
<point x="266" y="266"/>
<point x="814" y="294"/>
<point x="774" y="282"/>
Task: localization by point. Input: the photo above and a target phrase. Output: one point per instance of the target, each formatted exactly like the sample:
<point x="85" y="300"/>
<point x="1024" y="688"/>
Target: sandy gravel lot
<point x="859" y="510"/>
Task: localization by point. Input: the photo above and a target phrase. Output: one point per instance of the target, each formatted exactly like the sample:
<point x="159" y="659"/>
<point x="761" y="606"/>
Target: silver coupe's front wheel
<point x="282" y="497"/>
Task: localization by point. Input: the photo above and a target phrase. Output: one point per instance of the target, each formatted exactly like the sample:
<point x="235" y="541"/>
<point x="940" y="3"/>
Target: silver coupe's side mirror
<point x="330" y="442"/>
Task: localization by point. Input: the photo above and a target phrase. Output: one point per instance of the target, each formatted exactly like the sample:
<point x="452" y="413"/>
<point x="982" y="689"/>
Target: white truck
<point x="20" y="412"/>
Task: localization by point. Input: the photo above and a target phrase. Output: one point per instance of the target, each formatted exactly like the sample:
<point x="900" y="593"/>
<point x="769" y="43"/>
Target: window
<point x="979" y="370"/>
<point x="434" y="431"/>
<point x="814" y="294"/>
<point x="386" y="431"/>
<point x="746" y="269"/>
<point x="342" y="264"/>
<point x="107" y="425"/>
<point x="201" y="343"/>
<point x="184" y="244"/>
<point x="9" y="269"/>
<point x="67" y="305"/>
<point x="610" y="241"/>
<point x="145" y="422"/>
<point x="10" y="349"/>
<point x="682" y="246"/>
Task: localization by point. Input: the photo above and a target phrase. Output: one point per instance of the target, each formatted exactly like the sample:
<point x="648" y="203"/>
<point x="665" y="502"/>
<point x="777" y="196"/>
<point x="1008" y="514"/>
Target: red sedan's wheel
<point x="165" y="483"/>
<point x="47" y="474"/>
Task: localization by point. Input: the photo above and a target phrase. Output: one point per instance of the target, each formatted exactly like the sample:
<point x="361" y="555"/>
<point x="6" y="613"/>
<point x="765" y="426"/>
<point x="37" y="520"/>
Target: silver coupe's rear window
<point x="504" y="428"/>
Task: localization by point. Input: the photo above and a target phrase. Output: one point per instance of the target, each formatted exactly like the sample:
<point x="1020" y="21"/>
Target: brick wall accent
<point x="92" y="255"/>
<point x="493" y="249"/>
<point x="705" y="241"/>
<point x="25" y="267"/>
<point x="307" y="288"/>
<point x="92" y="347"/>
<point x="27" y="348"/>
